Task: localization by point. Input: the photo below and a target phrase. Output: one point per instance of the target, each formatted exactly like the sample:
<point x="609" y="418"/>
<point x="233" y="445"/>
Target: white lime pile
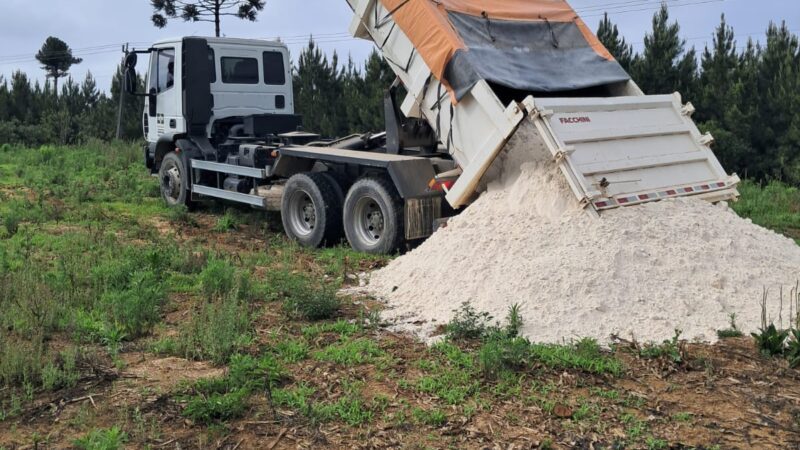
<point x="638" y="272"/>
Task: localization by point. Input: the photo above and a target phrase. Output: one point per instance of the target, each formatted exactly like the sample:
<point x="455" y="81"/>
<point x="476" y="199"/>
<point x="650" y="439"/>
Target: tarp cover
<point x="529" y="45"/>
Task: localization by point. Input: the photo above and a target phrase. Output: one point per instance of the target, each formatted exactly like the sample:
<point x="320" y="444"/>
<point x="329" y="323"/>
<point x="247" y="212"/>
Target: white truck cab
<point x="248" y="77"/>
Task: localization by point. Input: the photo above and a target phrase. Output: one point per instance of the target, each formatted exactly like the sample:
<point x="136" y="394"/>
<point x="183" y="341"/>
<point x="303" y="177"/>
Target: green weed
<point x="350" y="352"/>
<point x="229" y="221"/>
<point x="770" y="341"/>
<point x="433" y="417"/>
<point x="110" y="439"/>
<point x="468" y="324"/>
<point x="222" y="399"/>
<point x="683" y="417"/>
<point x="732" y="331"/>
<point x="313" y="304"/>
<point x="215" y="331"/>
<point x="292" y="351"/>
<point x="341" y="327"/>
<point x="11" y="221"/>
<point x="670" y="349"/>
<point x="180" y="215"/>
<point x="217" y="278"/>
<point x="62" y="373"/>
<point x="793" y="349"/>
<point x="217" y="407"/>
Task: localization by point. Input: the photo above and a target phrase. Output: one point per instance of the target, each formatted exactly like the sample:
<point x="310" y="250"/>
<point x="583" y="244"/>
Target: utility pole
<point x="121" y="92"/>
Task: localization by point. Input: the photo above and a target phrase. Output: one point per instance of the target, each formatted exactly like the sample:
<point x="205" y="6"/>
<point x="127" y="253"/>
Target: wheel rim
<point x="302" y="213"/>
<point x="171" y="183"/>
<point x="369" y="220"/>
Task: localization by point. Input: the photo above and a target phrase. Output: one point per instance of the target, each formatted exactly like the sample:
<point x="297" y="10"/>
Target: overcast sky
<point x="95" y="29"/>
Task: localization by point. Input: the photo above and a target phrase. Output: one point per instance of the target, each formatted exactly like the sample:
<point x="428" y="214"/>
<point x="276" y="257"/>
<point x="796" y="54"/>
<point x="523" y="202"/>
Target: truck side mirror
<point x="130" y="80"/>
<point x="130" y="60"/>
<point x="153" y="102"/>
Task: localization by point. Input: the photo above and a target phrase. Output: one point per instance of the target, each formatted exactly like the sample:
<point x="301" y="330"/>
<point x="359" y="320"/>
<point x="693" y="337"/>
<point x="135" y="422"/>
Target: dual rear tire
<point x="315" y="212"/>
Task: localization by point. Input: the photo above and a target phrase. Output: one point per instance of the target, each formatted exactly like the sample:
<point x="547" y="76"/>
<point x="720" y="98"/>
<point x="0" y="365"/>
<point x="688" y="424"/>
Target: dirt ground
<point x="722" y="396"/>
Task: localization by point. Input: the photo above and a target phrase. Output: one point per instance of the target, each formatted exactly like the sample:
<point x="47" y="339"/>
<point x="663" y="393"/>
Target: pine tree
<point x="664" y="67"/>
<point x="720" y="70"/>
<point x="56" y="59"/>
<point x="21" y="98"/>
<point x="720" y="109"/>
<point x="315" y="85"/>
<point x="378" y="76"/>
<point x="4" y="99"/>
<point x="778" y="137"/>
<point x="204" y="11"/>
<point x="608" y="33"/>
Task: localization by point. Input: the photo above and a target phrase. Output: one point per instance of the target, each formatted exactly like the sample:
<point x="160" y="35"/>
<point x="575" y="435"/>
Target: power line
<point x="695" y="3"/>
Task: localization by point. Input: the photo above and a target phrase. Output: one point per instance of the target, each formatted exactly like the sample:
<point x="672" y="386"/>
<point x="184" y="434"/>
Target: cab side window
<point x="212" y="65"/>
<point x="274" y="69"/>
<point x="162" y="70"/>
<point x="239" y="70"/>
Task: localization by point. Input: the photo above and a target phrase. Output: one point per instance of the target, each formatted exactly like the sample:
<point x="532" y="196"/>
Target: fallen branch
<point x="277" y="439"/>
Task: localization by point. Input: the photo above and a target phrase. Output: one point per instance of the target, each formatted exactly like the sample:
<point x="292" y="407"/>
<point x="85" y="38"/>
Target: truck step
<point x="229" y="169"/>
<point x="253" y="200"/>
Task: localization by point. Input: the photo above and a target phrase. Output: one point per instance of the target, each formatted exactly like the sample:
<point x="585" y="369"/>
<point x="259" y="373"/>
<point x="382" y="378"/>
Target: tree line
<point x="747" y="95"/>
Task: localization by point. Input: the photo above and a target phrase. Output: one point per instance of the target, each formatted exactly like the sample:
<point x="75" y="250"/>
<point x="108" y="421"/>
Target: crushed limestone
<point x="638" y="272"/>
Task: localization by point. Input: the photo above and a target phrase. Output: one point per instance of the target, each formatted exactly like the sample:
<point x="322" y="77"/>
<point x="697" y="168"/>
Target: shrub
<point x="221" y="399"/>
<point x="136" y="309"/>
<point x="217" y="330"/>
<point x="732" y="331"/>
<point x="229" y="221"/>
<point x="793" y="349"/>
<point x="671" y="349"/>
<point x="180" y="215"/>
<point x="21" y="362"/>
<point x="312" y="303"/>
<point x="11" y="221"/>
<point x="62" y="373"/>
<point x="498" y="355"/>
<point x="217" y="279"/>
<point x="217" y="407"/>
<point x="770" y="341"/>
<point x="110" y="439"/>
<point x="468" y="324"/>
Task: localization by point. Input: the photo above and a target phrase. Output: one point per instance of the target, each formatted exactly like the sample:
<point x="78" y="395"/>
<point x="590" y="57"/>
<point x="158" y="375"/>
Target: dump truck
<point x="219" y="121"/>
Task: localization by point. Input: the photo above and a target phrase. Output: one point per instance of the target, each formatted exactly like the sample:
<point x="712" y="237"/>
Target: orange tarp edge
<point x="528" y="10"/>
<point x="429" y="30"/>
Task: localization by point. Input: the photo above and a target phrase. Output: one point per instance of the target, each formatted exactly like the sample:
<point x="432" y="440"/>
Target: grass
<point x="109" y="439"/>
<point x="312" y="303"/>
<point x="222" y="399"/>
<point x="341" y="327"/>
<point x="349" y="352"/>
<point x="89" y="272"/>
<point x="775" y="206"/>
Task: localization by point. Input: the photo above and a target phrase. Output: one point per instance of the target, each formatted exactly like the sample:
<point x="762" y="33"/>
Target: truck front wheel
<point x="373" y="216"/>
<point x="174" y="181"/>
<point x="311" y="209"/>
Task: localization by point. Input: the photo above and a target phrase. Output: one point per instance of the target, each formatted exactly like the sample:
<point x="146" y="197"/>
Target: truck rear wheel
<point x="174" y="181"/>
<point x="311" y="209"/>
<point x="373" y="216"/>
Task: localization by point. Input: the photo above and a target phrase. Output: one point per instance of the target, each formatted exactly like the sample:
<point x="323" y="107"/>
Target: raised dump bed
<point x="475" y="70"/>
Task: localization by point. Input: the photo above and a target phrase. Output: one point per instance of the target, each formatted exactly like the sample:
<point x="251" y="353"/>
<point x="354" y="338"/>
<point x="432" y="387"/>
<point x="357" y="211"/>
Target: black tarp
<point x="534" y="56"/>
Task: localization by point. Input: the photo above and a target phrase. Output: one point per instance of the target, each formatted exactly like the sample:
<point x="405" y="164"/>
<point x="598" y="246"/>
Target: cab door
<point x="163" y="78"/>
